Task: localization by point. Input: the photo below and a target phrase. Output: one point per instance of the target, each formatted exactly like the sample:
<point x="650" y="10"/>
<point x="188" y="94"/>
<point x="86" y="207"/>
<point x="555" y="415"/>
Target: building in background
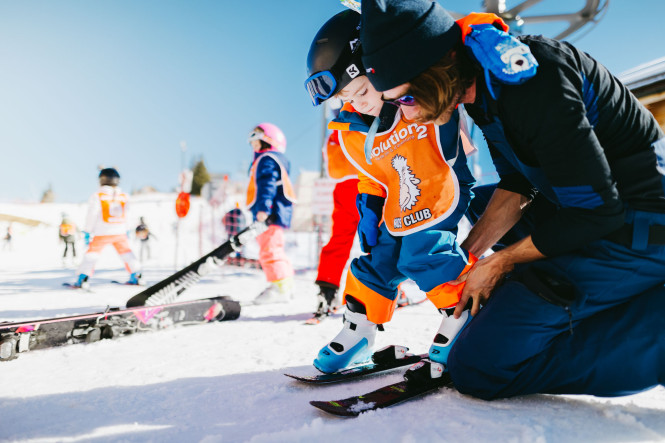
<point x="647" y="82"/>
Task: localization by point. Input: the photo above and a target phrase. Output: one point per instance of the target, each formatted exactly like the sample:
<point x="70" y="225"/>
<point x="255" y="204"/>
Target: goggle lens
<point x="254" y="135"/>
<point x="405" y="100"/>
<point x="320" y="86"/>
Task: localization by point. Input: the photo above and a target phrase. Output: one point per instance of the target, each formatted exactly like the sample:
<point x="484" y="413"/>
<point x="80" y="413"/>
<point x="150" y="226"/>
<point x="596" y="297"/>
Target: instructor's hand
<point x="480" y="281"/>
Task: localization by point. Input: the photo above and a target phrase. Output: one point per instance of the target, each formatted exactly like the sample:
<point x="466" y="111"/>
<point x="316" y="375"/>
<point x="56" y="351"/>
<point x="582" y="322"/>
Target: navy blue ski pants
<point x="610" y="342"/>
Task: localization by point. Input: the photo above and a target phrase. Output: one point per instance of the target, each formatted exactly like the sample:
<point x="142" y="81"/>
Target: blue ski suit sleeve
<point x="267" y="175"/>
<point x="269" y="194"/>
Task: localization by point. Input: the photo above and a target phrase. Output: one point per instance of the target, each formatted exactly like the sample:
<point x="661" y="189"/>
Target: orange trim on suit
<point x="379" y="308"/>
<point x="480" y="18"/>
<point x="447" y="295"/>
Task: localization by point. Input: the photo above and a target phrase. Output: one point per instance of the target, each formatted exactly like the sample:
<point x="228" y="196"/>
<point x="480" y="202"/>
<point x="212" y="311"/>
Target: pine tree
<point x="201" y="177"/>
<point x="48" y="196"/>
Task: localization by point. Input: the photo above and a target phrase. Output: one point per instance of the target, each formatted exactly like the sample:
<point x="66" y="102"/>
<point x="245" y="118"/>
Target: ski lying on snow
<point x="171" y="287"/>
<point x="378" y="365"/>
<point x="124" y="283"/>
<point x="73" y="286"/>
<point x="113" y="322"/>
<point x="381" y="398"/>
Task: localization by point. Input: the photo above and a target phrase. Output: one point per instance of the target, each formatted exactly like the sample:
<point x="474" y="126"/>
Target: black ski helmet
<point x="334" y="56"/>
<point x="109" y="177"/>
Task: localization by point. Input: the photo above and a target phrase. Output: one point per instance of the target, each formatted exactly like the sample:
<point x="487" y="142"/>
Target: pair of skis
<point x="152" y="309"/>
<point x="392" y="357"/>
<point x="167" y="290"/>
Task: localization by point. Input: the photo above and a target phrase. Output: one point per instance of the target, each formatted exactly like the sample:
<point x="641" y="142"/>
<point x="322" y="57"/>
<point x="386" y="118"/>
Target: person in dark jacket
<point x="573" y="299"/>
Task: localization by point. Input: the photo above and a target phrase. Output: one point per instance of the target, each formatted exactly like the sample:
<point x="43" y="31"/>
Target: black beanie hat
<point x="402" y="38"/>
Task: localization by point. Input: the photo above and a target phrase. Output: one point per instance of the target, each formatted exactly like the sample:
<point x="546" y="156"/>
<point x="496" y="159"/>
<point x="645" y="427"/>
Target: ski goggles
<point x="321" y="86"/>
<point x="255" y="135"/>
<point x="405" y="100"/>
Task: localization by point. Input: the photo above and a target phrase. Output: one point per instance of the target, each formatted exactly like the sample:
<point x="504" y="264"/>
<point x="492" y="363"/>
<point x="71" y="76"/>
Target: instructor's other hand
<point x="485" y="275"/>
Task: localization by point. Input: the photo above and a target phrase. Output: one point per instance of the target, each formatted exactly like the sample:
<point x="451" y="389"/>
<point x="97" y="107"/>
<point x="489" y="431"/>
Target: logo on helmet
<point x="354" y="44"/>
<point x="353" y="71"/>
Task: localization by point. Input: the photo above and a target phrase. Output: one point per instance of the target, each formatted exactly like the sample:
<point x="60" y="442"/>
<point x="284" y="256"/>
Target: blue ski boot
<point x="353" y="345"/>
<point x="135" y="279"/>
<point x="447" y="334"/>
<point x="82" y="282"/>
<point x="432" y="369"/>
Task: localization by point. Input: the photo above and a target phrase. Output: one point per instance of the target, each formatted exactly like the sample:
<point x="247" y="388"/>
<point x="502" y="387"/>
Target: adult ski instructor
<point x="575" y="304"/>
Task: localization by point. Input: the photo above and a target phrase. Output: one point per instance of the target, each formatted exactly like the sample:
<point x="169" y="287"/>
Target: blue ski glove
<point x="498" y="52"/>
<point x="370" y="208"/>
<point x="86" y="238"/>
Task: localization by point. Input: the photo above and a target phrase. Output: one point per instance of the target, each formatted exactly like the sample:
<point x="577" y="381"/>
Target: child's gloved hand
<point x="86" y="238"/>
<point x="261" y="216"/>
<point x="370" y="208"/>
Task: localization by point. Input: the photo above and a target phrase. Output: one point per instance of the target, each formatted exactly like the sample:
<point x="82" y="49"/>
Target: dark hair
<point x="440" y="85"/>
<point x="264" y="145"/>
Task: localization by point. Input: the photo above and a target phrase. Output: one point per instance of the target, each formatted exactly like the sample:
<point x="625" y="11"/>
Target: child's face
<point x="254" y="139"/>
<point x="361" y="94"/>
<point x="255" y="144"/>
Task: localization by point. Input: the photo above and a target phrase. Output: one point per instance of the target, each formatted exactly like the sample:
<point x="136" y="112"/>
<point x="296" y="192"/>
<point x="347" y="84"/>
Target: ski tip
<point x="73" y="286"/>
<point x="336" y="409"/>
<point x="306" y="378"/>
<point x="299" y="377"/>
<point x="131" y="303"/>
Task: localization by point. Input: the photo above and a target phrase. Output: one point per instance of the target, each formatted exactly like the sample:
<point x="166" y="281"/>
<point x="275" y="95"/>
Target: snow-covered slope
<point x="223" y="382"/>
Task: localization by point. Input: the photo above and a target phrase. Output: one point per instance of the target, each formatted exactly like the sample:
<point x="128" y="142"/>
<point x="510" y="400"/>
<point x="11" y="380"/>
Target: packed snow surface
<point x="224" y="382"/>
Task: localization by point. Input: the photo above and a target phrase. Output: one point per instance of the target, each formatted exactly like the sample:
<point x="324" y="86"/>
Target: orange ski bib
<point x="285" y="182"/>
<point x="407" y="160"/>
<point x="113" y="207"/>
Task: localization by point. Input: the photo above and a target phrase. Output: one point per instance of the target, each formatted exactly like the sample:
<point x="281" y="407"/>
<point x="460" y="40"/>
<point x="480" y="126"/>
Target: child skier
<point x="335" y="254"/>
<point x="345" y="218"/>
<point x="145" y="236"/>
<point x="270" y="197"/>
<point x="414" y="188"/>
<point x="67" y="233"/>
<point x="106" y="224"/>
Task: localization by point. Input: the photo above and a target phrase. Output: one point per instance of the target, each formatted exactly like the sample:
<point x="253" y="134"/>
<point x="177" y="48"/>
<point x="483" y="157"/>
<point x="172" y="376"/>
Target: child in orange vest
<point x="414" y="188"/>
<point x="67" y="233"/>
<point x="345" y="218"/>
<point x="106" y="224"/>
<point x="270" y="197"/>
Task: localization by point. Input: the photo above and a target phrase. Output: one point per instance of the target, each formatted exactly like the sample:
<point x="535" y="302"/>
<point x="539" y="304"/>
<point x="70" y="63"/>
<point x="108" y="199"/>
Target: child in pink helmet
<point x="270" y="198"/>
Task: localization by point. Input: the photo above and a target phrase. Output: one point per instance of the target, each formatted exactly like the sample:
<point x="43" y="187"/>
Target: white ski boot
<point x="280" y="291"/>
<point x="353" y="345"/>
<point x="447" y="334"/>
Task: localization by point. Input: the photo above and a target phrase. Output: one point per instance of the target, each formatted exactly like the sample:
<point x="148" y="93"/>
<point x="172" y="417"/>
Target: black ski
<point x="244" y="262"/>
<point x="171" y="287"/>
<point x="113" y="322"/>
<point x="382" y="397"/>
<point x="73" y="286"/>
<point x="383" y="360"/>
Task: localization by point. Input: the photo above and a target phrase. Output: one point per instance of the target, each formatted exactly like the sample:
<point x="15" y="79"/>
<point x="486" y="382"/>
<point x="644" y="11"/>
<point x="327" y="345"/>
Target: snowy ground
<point x="223" y="382"/>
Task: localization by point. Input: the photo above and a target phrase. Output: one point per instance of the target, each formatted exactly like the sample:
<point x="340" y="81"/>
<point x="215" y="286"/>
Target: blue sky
<point x="122" y="83"/>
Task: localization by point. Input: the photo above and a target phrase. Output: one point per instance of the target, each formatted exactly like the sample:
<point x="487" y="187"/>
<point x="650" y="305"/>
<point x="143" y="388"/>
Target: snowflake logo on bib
<point x="408" y="191"/>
